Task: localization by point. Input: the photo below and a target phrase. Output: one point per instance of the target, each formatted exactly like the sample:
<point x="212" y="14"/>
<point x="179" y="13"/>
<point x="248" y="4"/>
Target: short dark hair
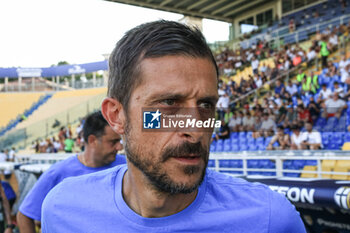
<point x="94" y="124"/>
<point x="151" y="40"/>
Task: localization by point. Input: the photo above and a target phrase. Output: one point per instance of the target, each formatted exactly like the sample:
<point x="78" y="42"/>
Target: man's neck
<point x="87" y="160"/>
<point x="148" y="202"/>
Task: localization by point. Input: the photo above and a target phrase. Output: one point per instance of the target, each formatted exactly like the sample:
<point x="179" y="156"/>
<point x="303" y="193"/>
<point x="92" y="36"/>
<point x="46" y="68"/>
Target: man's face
<point x="308" y="127"/>
<point x="107" y="146"/>
<point x="174" y="162"/>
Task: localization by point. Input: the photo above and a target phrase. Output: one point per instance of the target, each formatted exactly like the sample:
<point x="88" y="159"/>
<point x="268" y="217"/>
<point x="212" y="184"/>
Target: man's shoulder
<point x="59" y="167"/>
<point x="87" y="181"/>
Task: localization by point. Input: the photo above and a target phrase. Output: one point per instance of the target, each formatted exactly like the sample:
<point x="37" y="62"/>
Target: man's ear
<point x="113" y="111"/>
<point x="91" y="139"/>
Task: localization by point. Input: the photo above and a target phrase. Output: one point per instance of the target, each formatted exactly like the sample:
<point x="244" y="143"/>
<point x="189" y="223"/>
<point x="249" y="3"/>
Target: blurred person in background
<point x="281" y="138"/>
<point x="101" y="147"/>
<point x="296" y="138"/>
<point x="311" y="139"/>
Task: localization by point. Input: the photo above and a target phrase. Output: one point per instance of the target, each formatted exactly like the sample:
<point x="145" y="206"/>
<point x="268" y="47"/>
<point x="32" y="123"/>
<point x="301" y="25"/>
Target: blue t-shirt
<point x="31" y="205"/>
<point x="94" y="203"/>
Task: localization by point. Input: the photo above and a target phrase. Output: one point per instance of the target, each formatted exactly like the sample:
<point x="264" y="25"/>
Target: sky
<point x="39" y="33"/>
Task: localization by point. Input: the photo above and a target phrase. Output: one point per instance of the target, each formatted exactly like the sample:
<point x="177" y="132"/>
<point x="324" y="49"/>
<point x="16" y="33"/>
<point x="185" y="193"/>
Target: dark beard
<point x="160" y="179"/>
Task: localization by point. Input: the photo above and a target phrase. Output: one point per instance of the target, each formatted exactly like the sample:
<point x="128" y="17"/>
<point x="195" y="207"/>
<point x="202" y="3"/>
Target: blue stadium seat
<point x="227" y="145"/>
<point x="219" y="145"/>
<point x="213" y="146"/>
<point x="211" y="163"/>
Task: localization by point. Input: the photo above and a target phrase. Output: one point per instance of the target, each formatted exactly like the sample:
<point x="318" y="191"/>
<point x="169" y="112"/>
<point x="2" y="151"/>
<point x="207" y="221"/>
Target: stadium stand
<point x="15" y="104"/>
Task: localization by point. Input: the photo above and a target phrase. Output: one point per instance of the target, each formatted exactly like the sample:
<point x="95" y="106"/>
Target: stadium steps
<point x="13" y="104"/>
<point x="25" y="114"/>
<point x="60" y="102"/>
<point x="341" y="166"/>
<point x="65" y="107"/>
<point x="309" y="175"/>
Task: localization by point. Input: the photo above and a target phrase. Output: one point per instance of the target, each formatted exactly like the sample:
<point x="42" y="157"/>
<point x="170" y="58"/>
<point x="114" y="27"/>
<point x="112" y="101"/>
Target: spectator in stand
<point x="248" y="122"/>
<point x="268" y="125"/>
<point x="343" y="63"/>
<point x="11" y="155"/>
<point x="258" y="81"/>
<point x="300" y="77"/>
<point x="291" y="25"/>
<point x="291" y="117"/>
<point x="313" y="79"/>
<point x="331" y="69"/>
<point x="279" y="88"/>
<point x="345" y="75"/>
<point x="338" y="89"/>
<point x="296" y="138"/>
<point x="334" y="107"/>
<point x="224" y="132"/>
<point x="281" y="138"/>
<point x="255" y="65"/>
<point x="314" y="109"/>
<point x="307" y="87"/>
<point x="333" y="41"/>
<point x="303" y="114"/>
<point x="222" y="105"/>
<point x="324" y="51"/>
<point x="235" y="123"/>
<point x="56" y="145"/>
<point x="311" y="139"/>
<point x="297" y="59"/>
<point x="68" y="144"/>
<point x="291" y="88"/>
<point x="282" y="113"/>
<point x="311" y="55"/>
<point x="325" y="93"/>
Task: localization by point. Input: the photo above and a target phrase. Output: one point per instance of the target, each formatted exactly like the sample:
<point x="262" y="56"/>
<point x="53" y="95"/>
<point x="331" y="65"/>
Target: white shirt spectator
<point x="297" y="139"/>
<point x="311" y="55"/>
<point x="258" y="82"/>
<point x="234" y="122"/>
<point x="313" y="137"/>
<point x="333" y="40"/>
<point x="11" y="154"/>
<point x="221" y="92"/>
<point x="344" y="75"/>
<point x="292" y="89"/>
<point x="333" y="106"/>
<point x="248" y="121"/>
<point x="325" y="93"/>
<point x="223" y="102"/>
<point x="57" y="145"/>
<point x="343" y="63"/>
<point x="238" y="64"/>
<point x="286" y="65"/>
<point x="339" y="90"/>
<point x="2" y="157"/>
<point x="268" y="124"/>
<point x="255" y="64"/>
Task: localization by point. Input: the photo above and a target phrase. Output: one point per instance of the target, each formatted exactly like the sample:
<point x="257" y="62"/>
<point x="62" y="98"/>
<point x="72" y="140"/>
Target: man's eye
<point x="168" y="102"/>
<point x="206" y="105"/>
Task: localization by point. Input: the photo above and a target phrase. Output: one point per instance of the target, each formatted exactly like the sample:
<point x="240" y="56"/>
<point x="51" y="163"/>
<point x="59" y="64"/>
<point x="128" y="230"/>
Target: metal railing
<point x="278" y="157"/>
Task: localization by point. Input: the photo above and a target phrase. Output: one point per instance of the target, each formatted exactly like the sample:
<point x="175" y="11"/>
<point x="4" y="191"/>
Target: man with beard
<point x="165" y="186"/>
<point x="101" y="147"/>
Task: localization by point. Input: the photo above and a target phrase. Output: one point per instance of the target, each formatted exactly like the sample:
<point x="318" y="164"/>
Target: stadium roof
<point x="223" y="10"/>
